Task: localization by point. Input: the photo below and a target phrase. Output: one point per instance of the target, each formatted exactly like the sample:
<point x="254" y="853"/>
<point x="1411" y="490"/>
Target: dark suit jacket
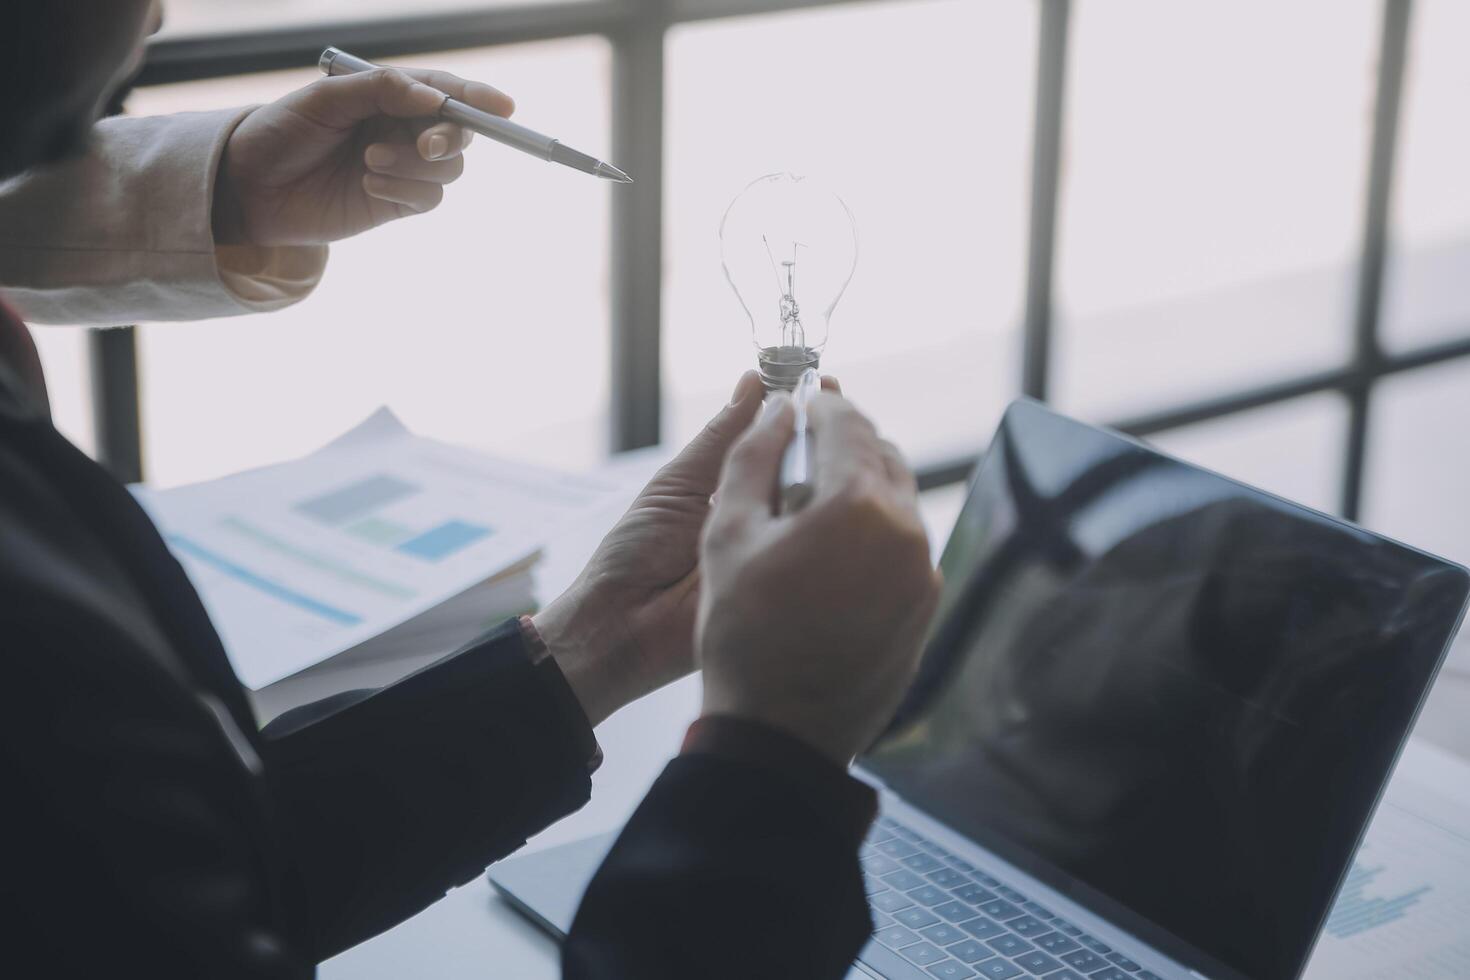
<point x="153" y="831"/>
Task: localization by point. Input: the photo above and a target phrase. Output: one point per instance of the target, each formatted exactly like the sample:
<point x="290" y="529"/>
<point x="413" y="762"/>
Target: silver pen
<point x="797" y="469"/>
<point x="335" y="61"/>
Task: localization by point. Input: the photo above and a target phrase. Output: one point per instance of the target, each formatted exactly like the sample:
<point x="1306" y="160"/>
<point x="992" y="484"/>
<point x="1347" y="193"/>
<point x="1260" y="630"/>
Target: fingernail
<point x="380" y="156"/>
<point x="437" y="146"/>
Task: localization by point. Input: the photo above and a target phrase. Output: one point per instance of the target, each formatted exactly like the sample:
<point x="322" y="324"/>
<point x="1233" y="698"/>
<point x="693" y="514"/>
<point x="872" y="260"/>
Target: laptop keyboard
<point x="935" y="915"/>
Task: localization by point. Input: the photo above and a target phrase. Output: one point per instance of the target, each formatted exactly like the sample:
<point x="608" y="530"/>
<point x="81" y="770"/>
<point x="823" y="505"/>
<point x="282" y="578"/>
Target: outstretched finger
<point x="486" y="98"/>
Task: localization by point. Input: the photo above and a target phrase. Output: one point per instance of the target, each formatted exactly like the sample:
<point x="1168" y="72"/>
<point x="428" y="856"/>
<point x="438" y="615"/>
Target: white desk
<point x="471" y="933"/>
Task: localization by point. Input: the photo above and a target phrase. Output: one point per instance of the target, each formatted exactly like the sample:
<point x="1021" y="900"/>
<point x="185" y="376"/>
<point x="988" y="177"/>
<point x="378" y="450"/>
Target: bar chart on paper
<point x="301" y="561"/>
<point x="1404" y="908"/>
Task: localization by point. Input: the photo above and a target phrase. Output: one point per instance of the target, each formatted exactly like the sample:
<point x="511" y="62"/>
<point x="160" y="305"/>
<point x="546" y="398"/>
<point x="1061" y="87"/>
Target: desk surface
<point x="471" y="933"/>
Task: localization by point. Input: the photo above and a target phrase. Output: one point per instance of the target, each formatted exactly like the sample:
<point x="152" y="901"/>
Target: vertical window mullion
<point x="637" y="230"/>
<point x="1051" y="64"/>
<point x="1368" y="361"/>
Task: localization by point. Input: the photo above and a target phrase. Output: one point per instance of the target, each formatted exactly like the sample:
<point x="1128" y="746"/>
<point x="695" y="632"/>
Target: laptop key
<point x="951" y="970"/>
<point x="1009" y="945"/>
<point x="986" y="880"/>
<point x="878" y="835"/>
<point x="896" y="937"/>
<point x="896" y="848"/>
<point x="928" y="895"/>
<point x="1028" y="926"/>
<point x="1055" y="943"/>
<point x="1120" y="960"/>
<point x="962" y="865"/>
<point x="890" y="964"/>
<point x="1065" y="927"/>
<point x="872" y="886"/>
<point x="998" y="969"/>
<point x="880" y="921"/>
<point x="890" y="901"/>
<point x="905" y="833"/>
<point x="916" y="918"/>
<point x="970" y="951"/>
<point x="933" y="848"/>
<point x="1000" y="909"/>
<point x="878" y="864"/>
<point x="1083" y="960"/>
<point x="1038" y="910"/>
<point x="955" y="911"/>
<point x="942" y="934"/>
<point x="1145" y="975"/>
<point x="982" y="928"/>
<point x="1065" y="975"/>
<point x="947" y="878"/>
<point x="922" y="953"/>
<point x="1037" y="962"/>
<point x="1011" y="894"/>
<point x="974" y="894"/>
<point x="903" y="879"/>
<point x="1111" y="973"/>
<point x="922" y="862"/>
<point x="1100" y="948"/>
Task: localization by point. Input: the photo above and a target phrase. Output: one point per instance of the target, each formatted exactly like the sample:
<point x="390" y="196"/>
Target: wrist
<point x="574" y="636"/>
<point x="799" y="723"/>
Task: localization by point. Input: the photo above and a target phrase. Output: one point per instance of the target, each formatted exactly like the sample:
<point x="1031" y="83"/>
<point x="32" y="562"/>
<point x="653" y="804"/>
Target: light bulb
<point x="789" y="247"/>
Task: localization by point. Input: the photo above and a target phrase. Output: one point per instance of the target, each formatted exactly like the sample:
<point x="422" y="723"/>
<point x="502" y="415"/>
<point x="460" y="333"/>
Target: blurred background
<point x="1241" y="230"/>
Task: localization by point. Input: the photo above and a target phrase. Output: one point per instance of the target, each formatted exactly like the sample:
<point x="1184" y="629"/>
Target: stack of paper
<point x="381" y="544"/>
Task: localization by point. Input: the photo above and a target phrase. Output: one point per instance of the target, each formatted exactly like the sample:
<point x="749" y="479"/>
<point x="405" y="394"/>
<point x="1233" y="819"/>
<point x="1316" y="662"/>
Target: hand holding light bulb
<point x="811" y="622"/>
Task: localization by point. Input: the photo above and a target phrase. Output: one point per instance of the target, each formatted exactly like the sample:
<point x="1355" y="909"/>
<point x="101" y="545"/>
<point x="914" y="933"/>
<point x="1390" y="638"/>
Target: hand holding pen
<point x="350" y="152"/>
<point x="335" y="61"/>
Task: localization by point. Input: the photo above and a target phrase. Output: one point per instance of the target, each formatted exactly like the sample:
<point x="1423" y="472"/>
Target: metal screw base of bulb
<point x="781" y="367"/>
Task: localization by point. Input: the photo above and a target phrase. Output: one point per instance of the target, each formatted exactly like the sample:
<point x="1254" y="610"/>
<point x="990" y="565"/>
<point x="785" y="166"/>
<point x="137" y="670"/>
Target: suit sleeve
<point x="134" y="829"/>
<point x="125" y="232"/>
<point x="394" y="796"/>
<point x="742" y="861"/>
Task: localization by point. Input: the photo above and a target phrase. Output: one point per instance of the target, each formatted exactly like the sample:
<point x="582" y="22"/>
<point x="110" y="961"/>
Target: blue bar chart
<point x="1358" y="911"/>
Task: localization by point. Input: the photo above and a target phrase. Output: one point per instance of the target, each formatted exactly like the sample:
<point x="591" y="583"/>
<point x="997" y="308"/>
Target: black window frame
<point x="637" y="31"/>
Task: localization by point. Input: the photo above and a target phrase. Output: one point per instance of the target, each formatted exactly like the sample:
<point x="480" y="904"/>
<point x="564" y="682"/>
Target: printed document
<point x="300" y="561"/>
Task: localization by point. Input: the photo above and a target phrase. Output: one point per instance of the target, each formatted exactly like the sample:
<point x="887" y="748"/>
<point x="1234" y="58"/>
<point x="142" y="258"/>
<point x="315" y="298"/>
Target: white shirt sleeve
<point x="124" y="233"/>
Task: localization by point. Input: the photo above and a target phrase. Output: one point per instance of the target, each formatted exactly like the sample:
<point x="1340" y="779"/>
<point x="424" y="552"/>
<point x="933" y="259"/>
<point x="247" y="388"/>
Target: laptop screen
<point x="1170" y="696"/>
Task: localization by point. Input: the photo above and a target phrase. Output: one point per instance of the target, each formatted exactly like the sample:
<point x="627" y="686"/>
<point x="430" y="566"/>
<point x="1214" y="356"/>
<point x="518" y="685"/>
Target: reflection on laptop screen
<point x="1169" y="695"/>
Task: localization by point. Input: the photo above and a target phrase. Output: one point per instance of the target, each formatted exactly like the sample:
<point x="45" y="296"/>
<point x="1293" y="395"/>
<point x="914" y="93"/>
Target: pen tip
<point x="608" y="172"/>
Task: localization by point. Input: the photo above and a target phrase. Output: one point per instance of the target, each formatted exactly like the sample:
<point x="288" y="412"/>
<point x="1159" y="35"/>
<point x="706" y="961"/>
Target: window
<point x="458" y="319"/>
<point x="1426" y="298"/>
<point x="1213" y="177"/>
<point x="1225" y="171"/>
<point x="928" y="145"/>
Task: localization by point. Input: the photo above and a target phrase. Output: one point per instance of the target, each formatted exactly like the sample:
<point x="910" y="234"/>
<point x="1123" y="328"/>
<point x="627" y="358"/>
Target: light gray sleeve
<point x="124" y="233"/>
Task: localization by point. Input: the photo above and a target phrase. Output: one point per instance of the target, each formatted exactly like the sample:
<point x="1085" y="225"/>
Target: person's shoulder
<point x="56" y="572"/>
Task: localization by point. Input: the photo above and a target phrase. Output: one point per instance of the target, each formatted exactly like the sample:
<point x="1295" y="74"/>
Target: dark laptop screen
<point x="1169" y="695"/>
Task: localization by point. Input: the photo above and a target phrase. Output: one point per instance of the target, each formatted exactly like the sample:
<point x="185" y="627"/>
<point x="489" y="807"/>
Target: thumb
<point x="696" y="470"/>
<point x="342" y="101"/>
<point x="749" y="480"/>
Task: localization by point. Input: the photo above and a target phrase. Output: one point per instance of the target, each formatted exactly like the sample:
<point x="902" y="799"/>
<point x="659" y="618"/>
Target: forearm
<point x="413" y="789"/>
<point x="741" y="861"/>
<point x="124" y="233"/>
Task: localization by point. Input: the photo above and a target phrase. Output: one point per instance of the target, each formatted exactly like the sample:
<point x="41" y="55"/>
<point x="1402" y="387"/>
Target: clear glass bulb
<point x="789" y="247"/>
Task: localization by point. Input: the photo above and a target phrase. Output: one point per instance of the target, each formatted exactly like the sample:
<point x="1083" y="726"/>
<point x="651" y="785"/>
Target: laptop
<point x="1153" y="718"/>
